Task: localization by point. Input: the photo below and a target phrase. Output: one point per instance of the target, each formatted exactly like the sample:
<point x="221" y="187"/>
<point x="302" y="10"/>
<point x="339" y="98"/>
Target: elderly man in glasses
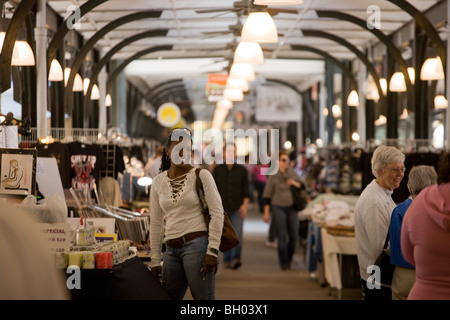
<point x="373" y="214"/>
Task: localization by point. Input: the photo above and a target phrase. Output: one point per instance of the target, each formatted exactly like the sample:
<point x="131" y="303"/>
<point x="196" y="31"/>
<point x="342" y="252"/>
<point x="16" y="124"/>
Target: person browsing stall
<point x="404" y="276"/>
<point x="373" y="215"/>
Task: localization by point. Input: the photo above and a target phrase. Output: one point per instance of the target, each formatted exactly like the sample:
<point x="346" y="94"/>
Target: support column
<point x="369" y="120"/>
<point x="102" y="124"/>
<point x="322" y="107"/>
<point x="392" y="103"/>
<point x="41" y="69"/>
<point x="421" y="108"/>
<point x="361" y="110"/>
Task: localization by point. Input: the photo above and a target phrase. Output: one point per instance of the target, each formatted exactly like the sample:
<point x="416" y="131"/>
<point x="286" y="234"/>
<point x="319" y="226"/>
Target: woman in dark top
<point x="279" y="202"/>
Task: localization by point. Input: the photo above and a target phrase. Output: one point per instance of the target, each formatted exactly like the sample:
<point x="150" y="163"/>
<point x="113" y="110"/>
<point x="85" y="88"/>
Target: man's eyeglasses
<point x="284" y="160"/>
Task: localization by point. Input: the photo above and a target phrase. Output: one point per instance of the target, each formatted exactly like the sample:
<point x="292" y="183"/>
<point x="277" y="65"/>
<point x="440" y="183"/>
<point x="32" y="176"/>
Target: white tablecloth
<point x="332" y="246"/>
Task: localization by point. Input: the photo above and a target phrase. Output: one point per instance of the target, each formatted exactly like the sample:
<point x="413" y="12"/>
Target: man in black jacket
<point x="233" y="185"/>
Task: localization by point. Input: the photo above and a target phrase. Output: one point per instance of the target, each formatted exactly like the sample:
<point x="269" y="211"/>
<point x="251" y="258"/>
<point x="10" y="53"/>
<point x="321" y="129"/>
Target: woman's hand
<point x="157" y="272"/>
<point x="209" y="265"/>
<point x="292" y="182"/>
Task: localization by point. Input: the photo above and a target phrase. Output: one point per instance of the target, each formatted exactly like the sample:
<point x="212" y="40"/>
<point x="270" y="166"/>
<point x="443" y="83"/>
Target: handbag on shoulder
<point x="229" y="238"/>
<point x="384" y="263"/>
<point x="300" y="198"/>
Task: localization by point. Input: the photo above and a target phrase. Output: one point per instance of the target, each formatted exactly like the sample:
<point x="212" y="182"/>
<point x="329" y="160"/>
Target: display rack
<point x="87" y="135"/>
<point x="109" y="151"/>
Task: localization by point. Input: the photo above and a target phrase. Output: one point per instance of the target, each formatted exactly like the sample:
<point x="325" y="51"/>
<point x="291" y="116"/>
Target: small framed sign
<point x="17" y="172"/>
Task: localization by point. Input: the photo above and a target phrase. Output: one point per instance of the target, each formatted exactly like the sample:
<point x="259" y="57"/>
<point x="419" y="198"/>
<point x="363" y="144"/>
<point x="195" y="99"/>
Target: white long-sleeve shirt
<point x="372" y="219"/>
<point x="182" y="211"/>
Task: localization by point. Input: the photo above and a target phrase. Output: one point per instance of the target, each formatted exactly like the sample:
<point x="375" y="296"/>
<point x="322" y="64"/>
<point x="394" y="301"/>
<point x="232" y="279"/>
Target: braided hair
<point x="165" y="159"/>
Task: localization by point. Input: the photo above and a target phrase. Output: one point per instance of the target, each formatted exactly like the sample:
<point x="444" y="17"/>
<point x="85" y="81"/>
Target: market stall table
<point x="334" y="246"/>
<point x="130" y="280"/>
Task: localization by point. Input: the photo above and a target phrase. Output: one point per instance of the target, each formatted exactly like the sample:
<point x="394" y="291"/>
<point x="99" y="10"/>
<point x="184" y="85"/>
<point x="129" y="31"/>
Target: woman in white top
<point x="373" y="215"/>
<point x="192" y="247"/>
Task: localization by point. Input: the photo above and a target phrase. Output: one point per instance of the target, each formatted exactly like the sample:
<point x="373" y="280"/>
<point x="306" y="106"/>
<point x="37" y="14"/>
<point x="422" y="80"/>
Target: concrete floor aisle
<point x="260" y="277"/>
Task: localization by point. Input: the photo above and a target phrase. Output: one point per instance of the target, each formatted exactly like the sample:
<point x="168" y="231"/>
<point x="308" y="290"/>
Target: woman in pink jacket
<point x="425" y="238"/>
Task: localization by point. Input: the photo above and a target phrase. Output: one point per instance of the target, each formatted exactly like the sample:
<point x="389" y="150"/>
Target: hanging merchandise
<point x="86" y="161"/>
<point x="9" y="137"/>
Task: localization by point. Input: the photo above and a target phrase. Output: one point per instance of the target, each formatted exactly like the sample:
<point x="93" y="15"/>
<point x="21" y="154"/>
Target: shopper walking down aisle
<point x="233" y="185"/>
<point x="373" y="214"/>
<point x="192" y="247"/>
<point x="279" y="202"/>
<point x="404" y="276"/>
<point x="425" y="238"/>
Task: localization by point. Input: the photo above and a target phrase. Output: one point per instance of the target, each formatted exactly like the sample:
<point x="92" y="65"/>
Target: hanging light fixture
<point x="86" y="82"/>
<point x="404" y="114"/>
<point x="248" y="52"/>
<point x="383" y="84"/>
<point x="336" y="111"/>
<point x="78" y="83"/>
<point x="108" y="100"/>
<point x="4" y="23"/>
<point x="259" y="27"/>
<point x="242" y="70"/>
<point x="380" y="121"/>
<point x="355" y="136"/>
<point x="277" y="2"/>
<point x="66" y="75"/>
<point x="432" y="69"/>
<point x="371" y="90"/>
<point x="412" y="74"/>
<point x="440" y="102"/>
<point x="233" y="95"/>
<point x="353" y="99"/>
<point x="237" y="83"/>
<point x="56" y="72"/>
<point x="22" y="52"/>
<point x="397" y="83"/>
<point x="95" y="94"/>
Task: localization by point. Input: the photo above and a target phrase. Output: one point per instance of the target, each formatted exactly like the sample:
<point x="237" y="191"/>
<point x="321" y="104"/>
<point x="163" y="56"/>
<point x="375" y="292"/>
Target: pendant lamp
<point x="95" y="94"/>
<point x="86" y="82"/>
<point x="242" y="70"/>
<point x="56" y="73"/>
<point x="237" y="83"/>
<point x="397" y="83"/>
<point x="22" y="53"/>
<point x="233" y="95"/>
<point x="77" y="84"/>
<point x="108" y="100"/>
<point x="248" y="52"/>
<point x="383" y="84"/>
<point x="4" y="23"/>
<point x="259" y="27"/>
<point x="432" y="69"/>
<point x="440" y="102"/>
<point x="353" y="99"/>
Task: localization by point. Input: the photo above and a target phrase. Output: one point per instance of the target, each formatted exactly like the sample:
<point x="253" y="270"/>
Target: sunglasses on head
<point x="183" y="130"/>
